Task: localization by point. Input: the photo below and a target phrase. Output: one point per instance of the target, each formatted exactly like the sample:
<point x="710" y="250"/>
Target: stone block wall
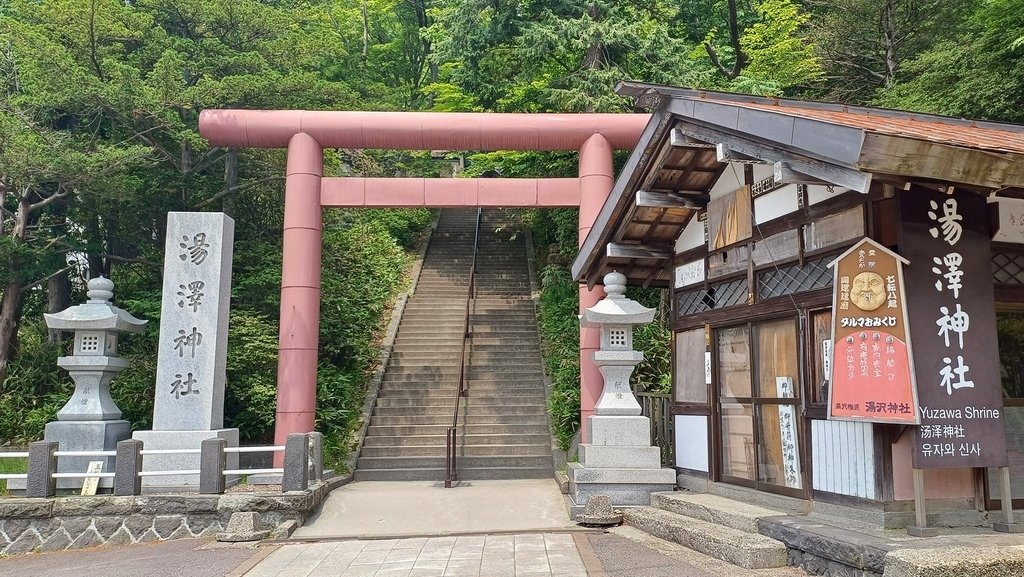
<point x="60" y="523"/>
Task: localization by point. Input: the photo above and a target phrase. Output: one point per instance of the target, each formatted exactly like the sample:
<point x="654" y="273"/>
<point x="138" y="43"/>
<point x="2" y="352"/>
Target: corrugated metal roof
<point x="908" y="126"/>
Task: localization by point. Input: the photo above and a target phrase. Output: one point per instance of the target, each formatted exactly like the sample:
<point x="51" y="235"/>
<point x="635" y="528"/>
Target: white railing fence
<point x="303" y="464"/>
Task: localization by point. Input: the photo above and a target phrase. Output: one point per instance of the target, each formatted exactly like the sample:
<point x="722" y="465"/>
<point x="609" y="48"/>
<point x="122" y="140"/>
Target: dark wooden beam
<point x="646" y="199"/>
<point x="784" y="174"/>
<point x="640" y="251"/>
<point x="833" y="173"/>
<point x="944" y="162"/>
<point x="677" y="138"/>
<point x="725" y="154"/>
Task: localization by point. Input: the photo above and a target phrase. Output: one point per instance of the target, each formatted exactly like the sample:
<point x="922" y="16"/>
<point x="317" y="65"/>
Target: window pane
<point x="738" y="440"/>
<point x="779" y="450"/>
<point x="778" y="363"/>
<point x="690" y="382"/>
<point x="1011" y="353"/>
<point x="734" y="362"/>
<point x="821" y="333"/>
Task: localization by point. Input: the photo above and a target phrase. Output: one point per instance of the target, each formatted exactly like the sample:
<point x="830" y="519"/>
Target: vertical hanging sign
<point x="953" y="322"/>
<point x="871" y="354"/>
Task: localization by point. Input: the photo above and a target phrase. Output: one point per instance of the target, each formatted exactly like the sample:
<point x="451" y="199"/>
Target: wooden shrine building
<point x="740" y="204"/>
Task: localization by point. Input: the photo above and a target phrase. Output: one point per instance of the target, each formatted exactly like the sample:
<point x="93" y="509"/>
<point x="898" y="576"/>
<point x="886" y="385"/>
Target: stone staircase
<point x="712" y="525"/>
<point x="503" y="431"/>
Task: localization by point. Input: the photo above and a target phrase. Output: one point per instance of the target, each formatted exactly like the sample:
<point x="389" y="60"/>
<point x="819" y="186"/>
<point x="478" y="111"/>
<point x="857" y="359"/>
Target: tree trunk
<point x="12" y="301"/>
<point x="230" y="182"/>
<point x="58" y="298"/>
<point x="186" y="168"/>
<point x="889" y="34"/>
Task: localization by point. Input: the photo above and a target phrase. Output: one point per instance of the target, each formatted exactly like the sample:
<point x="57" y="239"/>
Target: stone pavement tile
<point x="359" y="571"/>
<point x="413" y="543"/>
<point x="435" y="552"/>
<point x="402" y="555"/>
<point x="333" y="565"/>
<point x="305" y="563"/>
<point x="467" y="553"/>
<point x="449" y="541"/>
<point x="471" y="540"/>
<point x="425" y="572"/>
<point x="277" y="561"/>
<point x="462" y="568"/>
<point x="370" y="557"/>
<point x="430" y="564"/>
<point x="380" y="545"/>
<point x="400" y="569"/>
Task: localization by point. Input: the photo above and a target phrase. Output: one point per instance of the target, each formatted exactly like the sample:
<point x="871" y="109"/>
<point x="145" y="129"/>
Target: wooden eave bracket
<point x="678" y="139"/>
<point x="639" y="251"/>
<point x="828" y="172"/>
<point x="647" y="199"/>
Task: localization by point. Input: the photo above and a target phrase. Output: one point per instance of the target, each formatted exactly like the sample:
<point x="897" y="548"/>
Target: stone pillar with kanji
<point x="618" y="461"/>
<point x="188" y="405"/>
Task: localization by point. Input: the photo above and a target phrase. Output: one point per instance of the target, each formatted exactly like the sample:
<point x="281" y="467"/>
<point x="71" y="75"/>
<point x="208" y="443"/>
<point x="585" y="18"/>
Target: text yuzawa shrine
<point x="923" y="352"/>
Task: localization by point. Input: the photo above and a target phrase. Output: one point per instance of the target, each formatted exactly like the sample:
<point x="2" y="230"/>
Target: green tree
<point x="978" y="73"/>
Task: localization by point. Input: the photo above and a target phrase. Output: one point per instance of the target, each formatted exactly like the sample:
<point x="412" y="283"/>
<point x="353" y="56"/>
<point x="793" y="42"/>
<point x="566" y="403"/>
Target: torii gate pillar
<point x="596" y="179"/>
<point x="299" y="336"/>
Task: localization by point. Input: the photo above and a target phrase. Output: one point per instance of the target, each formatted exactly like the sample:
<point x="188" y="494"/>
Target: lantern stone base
<point x="82" y="436"/>
<point x="618" y="462"/>
<point x="162" y="440"/>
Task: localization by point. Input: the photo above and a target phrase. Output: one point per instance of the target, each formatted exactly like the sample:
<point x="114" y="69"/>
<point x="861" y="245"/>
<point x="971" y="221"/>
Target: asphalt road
<point x="181" y="558"/>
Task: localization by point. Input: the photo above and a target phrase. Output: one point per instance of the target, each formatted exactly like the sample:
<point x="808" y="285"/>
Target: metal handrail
<point x="450" y="459"/>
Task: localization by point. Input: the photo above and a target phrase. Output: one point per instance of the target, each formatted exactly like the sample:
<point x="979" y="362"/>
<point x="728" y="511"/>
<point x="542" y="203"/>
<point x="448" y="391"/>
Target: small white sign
<point x="1011" y="220"/>
<point x="690" y="273"/>
<point x="826" y="360"/>
<point x="90" y="484"/>
<point x="788" y="434"/>
<point x="707" y="367"/>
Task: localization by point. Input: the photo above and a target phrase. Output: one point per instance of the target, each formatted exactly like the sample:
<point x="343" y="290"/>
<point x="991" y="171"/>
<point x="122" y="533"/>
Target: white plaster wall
<point x="692" y="442"/>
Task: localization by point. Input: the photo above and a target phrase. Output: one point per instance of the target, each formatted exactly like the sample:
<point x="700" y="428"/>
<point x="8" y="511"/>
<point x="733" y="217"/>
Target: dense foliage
<point x="99" y="101"/>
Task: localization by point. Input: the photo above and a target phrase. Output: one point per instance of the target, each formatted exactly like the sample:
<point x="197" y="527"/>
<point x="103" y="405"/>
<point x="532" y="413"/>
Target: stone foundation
<point x="60" y="523"/>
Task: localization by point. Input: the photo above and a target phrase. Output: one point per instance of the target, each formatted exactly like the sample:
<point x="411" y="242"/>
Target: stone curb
<point x="373" y="389"/>
<point x="60" y="523"/>
<point x="955" y="562"/>
<point x="815" y="546"/>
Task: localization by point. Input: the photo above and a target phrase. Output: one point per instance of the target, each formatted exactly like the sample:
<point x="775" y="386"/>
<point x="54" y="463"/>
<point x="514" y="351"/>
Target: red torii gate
<point x="306" y="133"/>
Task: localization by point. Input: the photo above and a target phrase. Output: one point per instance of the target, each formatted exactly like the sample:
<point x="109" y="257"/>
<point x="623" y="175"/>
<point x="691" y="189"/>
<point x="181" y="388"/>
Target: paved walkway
<point x="529" y="555"/>
<point x="424" y="508"/>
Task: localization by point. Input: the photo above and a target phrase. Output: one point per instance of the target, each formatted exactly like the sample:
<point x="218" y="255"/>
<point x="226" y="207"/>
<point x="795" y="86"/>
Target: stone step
<point x="498" y="473"/>
<point x="432" y="403"/>
<point x="469" y="474"/>
<point x="737" y="547"/>
<point x="438" y="450"/>
<point x="391" y="430"/>
<point x="477" y="408"/>
<point x="429" y="474"/>
<point x="464" y="419"/>
<point x="714" y="509"/>
<point x="502" y="348"/>
<point x="469" y="439"/>
<point x="468" y="461"/>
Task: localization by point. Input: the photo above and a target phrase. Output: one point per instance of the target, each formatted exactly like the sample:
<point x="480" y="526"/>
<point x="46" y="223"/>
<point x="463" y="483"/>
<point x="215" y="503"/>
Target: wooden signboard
<point x="730" y="219"/>
<point x="951" y="302"/>
<point x="871" y="363"/>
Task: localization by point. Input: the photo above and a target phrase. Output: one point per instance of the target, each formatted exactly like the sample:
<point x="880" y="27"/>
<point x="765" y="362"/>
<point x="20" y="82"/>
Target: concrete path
<point x="424" y="508"/>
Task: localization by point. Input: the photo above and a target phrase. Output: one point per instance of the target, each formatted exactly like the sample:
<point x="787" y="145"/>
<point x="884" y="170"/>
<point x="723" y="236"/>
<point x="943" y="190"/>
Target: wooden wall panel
<point x="843" y="459"/>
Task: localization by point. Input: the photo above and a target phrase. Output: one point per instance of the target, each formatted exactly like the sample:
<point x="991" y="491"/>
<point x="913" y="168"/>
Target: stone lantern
<point x="619" y="460"/>
<point x="90" y="421"/>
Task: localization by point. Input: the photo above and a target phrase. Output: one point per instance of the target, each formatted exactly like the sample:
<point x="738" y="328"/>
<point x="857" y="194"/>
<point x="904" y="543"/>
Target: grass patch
<point x="8" y="466"/>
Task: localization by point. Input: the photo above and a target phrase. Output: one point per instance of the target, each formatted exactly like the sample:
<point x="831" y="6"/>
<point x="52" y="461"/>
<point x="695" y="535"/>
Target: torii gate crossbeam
<point x="306" y="133"/>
